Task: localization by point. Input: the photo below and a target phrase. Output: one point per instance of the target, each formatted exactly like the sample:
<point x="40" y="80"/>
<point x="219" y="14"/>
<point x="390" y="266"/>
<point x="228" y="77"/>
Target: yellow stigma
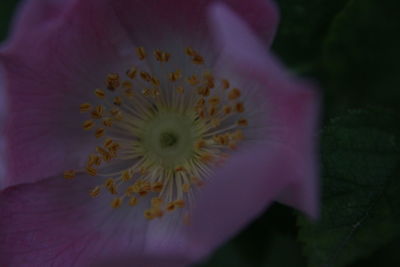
<point x="159" y="134"/>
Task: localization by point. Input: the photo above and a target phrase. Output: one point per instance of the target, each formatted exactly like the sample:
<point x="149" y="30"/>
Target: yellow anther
<point x="212" y="111"/>
<point x="190" y="52"/>
<point x="117" y="101"/>
<point x="161" y="56"/>
<point x="197" y="59"/>
<point x="170" y="206"/>
<point x="186" y="188"/>
<point x="142" y="192"/>
<point x="180" y="90"/>
<point x="144" y="188"/>
<point x="146" y="92"/>
<point x="132" y="189"/>
<point x="234" y="94"/>
<point x="108" y="122"/>
<point x="94" y="160"/>
<point x="127" y="85"/>
<point x="133" y="201"/>
<point x="69" y="174"/>
<point x="131" y="73"/>
<point x="110" y="185"/>
<point x="203" y="91"/>
<point x="99" y="93"/>
<point x="200" y="144"/>
<point x="155" y="81"/>
<point x="200" y="102"/>
<point x="209" y="79"/>
<point x="85" y="107"/>
<point x="112" y="81"/>
<point x="157" y="212"/>
<point x="87" y="125"/>
<point x="179" y="203"/>
<point x="104" y="153"/>
<point x="157" y="187"/>
<point x="225" y="84"/>
<point x="242" y="122"/>
<point x="238" y="135"/>
<point x="129" y="93"/>
<point x="126" y="176"/>
<point x="214" y="100"/>
<point x="206" y="158"/>
<point x="145" y="76"/>
<point x="156" y="202"/>
<point x="95" y="191"/>
<point x="202" y="114"/>
<point x="174" y="76"/>
<point x="180" y="169"/>
<point x="99" y="132"/>
<point x="97" y="112"/>
<point x="148" y="214"/>
<point x="193" y="80"/>
<point x="116" y="113"/>
<point x="141" y="53"/>
<point x="227" y="110"/>
<point x="221" y="139"/>
<point x="91" y="171"/>
<point x="116" y="203"/>
<point x="113" y="189"/>
<point x="114" y="148"/>
<point x="239" y="107"/>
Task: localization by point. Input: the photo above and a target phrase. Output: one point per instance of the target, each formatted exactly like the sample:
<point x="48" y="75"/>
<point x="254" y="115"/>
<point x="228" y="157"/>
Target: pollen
<point x="85" y="107"/>
<point x="234" y="94"/>
<point x="141" y="53"/>
<point x="159" y="131"/>
<point x="99" y="93"/>
<point x="69" y="174"/>
<point x="112" y="81"/>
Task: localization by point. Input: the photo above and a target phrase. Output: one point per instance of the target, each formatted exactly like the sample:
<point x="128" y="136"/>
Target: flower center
<point x="168" y="139"/>
<point x="160" y="131"/>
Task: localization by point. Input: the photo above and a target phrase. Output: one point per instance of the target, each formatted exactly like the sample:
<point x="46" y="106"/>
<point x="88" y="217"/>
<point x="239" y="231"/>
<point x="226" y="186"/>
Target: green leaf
<point x="361" y="56"/>
<point x="304" y="25"/>
<point x="361" y="189"/>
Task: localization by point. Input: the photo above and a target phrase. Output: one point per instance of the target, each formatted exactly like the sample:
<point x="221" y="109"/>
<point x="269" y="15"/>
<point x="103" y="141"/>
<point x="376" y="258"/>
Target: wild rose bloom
<point x="146" y="132"/>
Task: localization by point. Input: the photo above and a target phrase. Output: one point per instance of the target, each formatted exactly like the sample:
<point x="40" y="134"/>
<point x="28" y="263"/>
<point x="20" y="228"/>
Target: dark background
<point x="351" y="48"/>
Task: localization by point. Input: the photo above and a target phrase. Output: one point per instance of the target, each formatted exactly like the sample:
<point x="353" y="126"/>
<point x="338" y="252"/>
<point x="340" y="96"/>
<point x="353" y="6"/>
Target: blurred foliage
<point x="351" y="48"/>
<point x="361" y="161"/>
<point x="7" y="8"/>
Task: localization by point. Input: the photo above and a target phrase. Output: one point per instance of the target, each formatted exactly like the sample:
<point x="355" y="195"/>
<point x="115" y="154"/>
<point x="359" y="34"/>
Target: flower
<point x="120" y="111"/>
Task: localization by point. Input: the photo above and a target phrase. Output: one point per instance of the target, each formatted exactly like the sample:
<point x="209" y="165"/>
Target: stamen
<point x="112" y="81"/>
<point x="69" y="174"/>
<point x="87" y="125"/>
<point x="141" y="53"/>
<point x="100" y="93"/>
<point x="234" y="94"/>
<point x="159" y="137"/>
<point x="85" y="107"/>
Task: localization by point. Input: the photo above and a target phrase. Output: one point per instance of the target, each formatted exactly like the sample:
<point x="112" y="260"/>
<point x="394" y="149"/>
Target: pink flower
<point x="119" y="112"/>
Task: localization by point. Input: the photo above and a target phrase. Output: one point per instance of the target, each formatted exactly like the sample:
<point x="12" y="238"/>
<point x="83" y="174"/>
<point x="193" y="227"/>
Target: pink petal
<point x="55" y="222"/>
<point x="283" y="166"/>
<point x="186" y="20"/>
<point x="292" y="103"/>
<point x="33" y="14"/>
<point x="237" y="193"/>
<point x="3" y="112"/>
<point x="47" y="79"/>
